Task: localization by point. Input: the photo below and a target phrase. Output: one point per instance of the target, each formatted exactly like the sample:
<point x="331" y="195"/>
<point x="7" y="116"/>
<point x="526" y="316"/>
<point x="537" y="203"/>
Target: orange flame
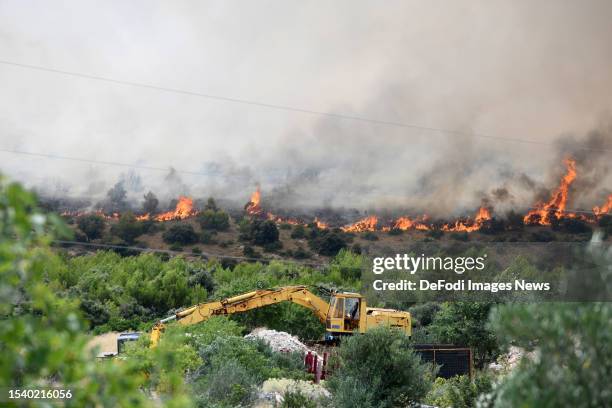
<point x="253" y="207"/>
<point x="320" y="224"/>
<point x="556" y="205"/>
<point x="406" y="223"/>
<point x="183" y="209"/>
<point x="366" y="224"/>
<point x="604" y="209"/>
<point x="483" y="215"/>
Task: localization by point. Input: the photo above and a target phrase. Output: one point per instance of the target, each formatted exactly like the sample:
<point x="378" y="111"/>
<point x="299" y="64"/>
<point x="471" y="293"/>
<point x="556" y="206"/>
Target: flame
<point x="366" y="224"/>
<point x="320" y="224"/>
<point x="143" y="217"/>
<point x="406" y="223"/>
<point x="252" y="206"/>
<point x="604" y="209"/>
<point x="483" y="215"/>
<point x="556" y="205"/>
<point x="183" y="209"/>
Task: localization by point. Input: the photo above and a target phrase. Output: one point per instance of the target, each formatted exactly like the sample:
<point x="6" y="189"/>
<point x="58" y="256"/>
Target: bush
<point x="207" y="237"/>
<point x="573" y="226"/>
<point x="395" y="231"/>
<point x="214" y="220"/>
<point x="297" y="399"/>
<point x="259" y="232"/>
<point x="328" y="242"/>
<point x="435" y="234"/>
<point x="458" y="392"/>
<point x="380" y="369"/>
<point x="150" y="203"/>
<point x="92" y="226"/>
<point x="572" y="342"/>
<point x="299" y="232"/>
<point x="180" y="234"/>
<point x="460" y="236"/>
<point x="542" y="236"/>
<point x="464" y="324"/>
<point x="370" y="236"/>
<point x="127" y="228"/>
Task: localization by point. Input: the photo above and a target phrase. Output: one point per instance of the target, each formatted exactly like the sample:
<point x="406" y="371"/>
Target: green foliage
<point x="41" y="338"/>
<point x="573" y="344"/>
<point x="127" y="228"/>
<point x="92" y="226"/>
<point x="327" y="242"/>
<point x="299" y="232"/>
<point x="297" y="399"/>
<point x="370" y="236"/>
<point x="183" y="234"/>
<point x="379" y="369"/>
<point x="122" y="293"/>
<point x="464" y="323"/>
<point x="216" y="220"/>
<point x="259" y="232"/>
<point x="458" y="392"/>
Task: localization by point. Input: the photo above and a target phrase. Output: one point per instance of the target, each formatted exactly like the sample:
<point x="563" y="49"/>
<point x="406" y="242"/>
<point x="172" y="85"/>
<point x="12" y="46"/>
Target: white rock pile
<point x="278" y="341"/>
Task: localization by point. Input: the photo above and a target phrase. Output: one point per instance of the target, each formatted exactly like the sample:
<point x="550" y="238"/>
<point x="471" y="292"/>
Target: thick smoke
<point x="534" y="71"/>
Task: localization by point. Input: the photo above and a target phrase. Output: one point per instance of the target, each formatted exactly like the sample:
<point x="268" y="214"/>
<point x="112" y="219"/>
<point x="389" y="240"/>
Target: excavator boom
<point x="242" y="303"/>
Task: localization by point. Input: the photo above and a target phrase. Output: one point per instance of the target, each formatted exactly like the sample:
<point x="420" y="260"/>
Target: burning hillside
<point x="544" y="213"/>
<point x="184" y="209"/>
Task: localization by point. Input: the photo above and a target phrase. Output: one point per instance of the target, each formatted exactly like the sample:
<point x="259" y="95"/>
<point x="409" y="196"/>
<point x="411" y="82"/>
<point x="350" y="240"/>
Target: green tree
<point x="41" y="335"/>
<point x="465" y="324"/>
<point x="381" y="369"/>
<point x="128" y="228"/>
<point x="573" y="349"/>
<point x="213" y="220"/>
<point x="92" y="225"/>
<point x="180" y="234"/>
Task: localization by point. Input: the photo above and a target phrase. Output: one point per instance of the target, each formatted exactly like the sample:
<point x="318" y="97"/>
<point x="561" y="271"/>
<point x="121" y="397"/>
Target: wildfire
<point x="604" y="209"/>
<point x="183" y="209"/>
<point x="253" y="206"/>
<point x="406" y="223"/>
<point x="556" y="205"/>
<point x="366" y="224"/>
<point x="320" y="224"/>
<point x="483" y="215"/>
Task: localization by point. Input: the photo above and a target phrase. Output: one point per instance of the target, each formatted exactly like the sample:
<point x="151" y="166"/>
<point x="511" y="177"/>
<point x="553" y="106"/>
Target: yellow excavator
<point x="347" y="313"/>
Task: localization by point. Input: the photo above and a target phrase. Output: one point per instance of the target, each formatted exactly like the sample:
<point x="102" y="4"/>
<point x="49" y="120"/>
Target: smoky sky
<point x="536" y="71"/>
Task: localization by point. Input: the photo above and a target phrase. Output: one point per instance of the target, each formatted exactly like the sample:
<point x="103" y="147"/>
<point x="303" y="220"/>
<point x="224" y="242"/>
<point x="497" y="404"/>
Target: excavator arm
<point x="242" y="303"/>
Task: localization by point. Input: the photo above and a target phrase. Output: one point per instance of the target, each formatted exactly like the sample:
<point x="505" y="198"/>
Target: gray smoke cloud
<point x="527" y="70"/>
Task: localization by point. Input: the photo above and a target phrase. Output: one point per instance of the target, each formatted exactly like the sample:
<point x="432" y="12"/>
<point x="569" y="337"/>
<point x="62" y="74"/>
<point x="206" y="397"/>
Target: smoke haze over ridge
<point x="525" y="70"/>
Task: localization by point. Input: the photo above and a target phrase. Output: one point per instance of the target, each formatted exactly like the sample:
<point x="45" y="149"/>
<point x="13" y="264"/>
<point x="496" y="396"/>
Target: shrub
<point x="297" y="399"/>
<point x="460" y="236"/>
<point x="379" y="368"/>
<point x="299" y="232"/>
<point x="572" y="342"/>
<point x="464" y="323"/>
<point x="259" y="232"/>
<point x="328" y="242"/>
<point x="180" y="234"/>
<point x="214" y="220"/>
<point x="370" y="236"/>
<point x="92" y="226"/>
<point x="435" y="234"/>
<point x="127" y="228"/>
<point x="395" y="231"/>
<point x="150" y="203"/>
<point x="207" y="237"/>
<point x="459" y="391"/>
<point x="542" y="236"/>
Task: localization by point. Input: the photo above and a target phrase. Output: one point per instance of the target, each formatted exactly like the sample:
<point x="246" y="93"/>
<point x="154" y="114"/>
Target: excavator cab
<point x="345" y="315"/>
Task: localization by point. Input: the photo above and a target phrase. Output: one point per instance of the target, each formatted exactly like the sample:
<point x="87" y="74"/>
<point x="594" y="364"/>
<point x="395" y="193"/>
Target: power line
<point x="285" y="108"/>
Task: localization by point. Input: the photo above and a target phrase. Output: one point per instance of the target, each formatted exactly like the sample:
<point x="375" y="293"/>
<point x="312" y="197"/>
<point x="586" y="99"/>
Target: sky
<point x="539" y="72"/>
